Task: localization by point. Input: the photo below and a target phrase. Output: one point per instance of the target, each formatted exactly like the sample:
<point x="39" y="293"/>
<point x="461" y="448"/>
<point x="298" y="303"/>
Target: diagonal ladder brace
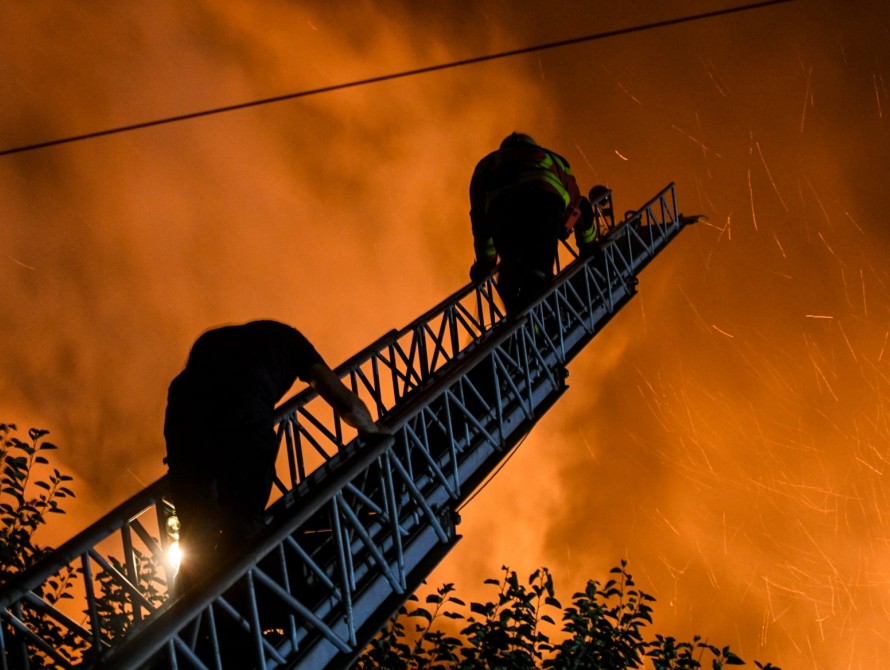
<point x="351" y="536"/>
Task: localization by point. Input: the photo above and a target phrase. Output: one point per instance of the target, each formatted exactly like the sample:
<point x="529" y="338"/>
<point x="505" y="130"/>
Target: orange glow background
<point x="727" y="433"/>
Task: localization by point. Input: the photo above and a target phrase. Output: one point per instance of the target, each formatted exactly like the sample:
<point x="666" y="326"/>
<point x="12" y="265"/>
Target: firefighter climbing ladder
<point x="355" y="526"/>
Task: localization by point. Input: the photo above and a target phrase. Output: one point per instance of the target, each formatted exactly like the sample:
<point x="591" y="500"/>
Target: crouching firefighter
<point x="523" y="200"/>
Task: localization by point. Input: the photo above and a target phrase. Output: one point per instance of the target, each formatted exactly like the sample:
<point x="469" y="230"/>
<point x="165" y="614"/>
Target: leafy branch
<point x="606" y="627"/>
<point x="26" y="500"/>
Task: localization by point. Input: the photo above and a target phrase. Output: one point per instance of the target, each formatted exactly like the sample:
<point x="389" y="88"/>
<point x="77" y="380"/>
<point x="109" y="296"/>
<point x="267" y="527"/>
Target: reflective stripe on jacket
<point x="518" y="166"/>
<point x="511" y="170"/>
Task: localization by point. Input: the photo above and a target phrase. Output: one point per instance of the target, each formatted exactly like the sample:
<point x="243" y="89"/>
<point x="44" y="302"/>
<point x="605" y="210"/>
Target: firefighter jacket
<point x="509" y="171"/>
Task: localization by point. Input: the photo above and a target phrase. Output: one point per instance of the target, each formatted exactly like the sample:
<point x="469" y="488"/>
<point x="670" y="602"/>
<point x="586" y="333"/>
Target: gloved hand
<point x="586" y="229"/>
<point x="479" y="270"/>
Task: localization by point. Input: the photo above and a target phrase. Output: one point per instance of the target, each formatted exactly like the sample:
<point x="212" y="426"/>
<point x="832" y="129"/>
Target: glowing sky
<point x="727" y="433"/>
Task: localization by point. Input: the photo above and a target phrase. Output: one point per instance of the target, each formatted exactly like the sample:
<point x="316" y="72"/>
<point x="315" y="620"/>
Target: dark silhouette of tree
<point x="31" y="490"/>
<point x="27" y="497"/>
<point x="604" y="628"/>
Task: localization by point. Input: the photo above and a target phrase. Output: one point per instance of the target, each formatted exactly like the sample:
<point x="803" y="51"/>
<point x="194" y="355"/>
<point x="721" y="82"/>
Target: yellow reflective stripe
<point x="542" y="172"/>
<point x="563" y="165"/>
<point x="586" y="236"/>
<point x="486" y="249"/>
<point x="554" y="180"/>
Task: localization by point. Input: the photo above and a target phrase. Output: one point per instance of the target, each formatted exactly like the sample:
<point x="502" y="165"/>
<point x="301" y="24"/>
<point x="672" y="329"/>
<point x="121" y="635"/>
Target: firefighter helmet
<point x="515" y="139"/>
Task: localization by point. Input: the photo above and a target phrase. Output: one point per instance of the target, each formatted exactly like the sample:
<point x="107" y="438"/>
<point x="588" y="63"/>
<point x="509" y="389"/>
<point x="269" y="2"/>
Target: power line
<point x="396" y="75"/>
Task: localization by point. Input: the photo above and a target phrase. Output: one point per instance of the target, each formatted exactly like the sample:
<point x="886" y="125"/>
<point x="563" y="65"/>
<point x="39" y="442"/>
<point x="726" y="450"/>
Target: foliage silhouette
<point x="21" y="511"/>
<point x="604" y="628"/>
<point x="30" y="490"/>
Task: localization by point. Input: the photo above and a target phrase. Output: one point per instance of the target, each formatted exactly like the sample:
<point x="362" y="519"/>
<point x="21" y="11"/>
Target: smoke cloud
<point x="727" y="433"/>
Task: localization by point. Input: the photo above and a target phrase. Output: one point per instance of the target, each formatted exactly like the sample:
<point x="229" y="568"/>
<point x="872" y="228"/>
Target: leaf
<point x="420" y="612"/>
<point x="37" y="433"/>
<point x="731" y="658"/>
<point x="478" y="608"/>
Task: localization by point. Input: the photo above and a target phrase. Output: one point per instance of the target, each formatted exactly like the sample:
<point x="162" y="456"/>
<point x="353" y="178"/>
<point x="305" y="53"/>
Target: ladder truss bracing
<point x="355" y="526"/>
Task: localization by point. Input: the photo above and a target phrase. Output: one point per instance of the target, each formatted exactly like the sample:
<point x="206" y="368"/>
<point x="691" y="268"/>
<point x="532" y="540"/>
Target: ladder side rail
<point x="442" y="496"/>
<point x="128" y="586"/>
<point x="73" y="549"/>
<point x="485" y="307"/>
<point x="426" y="343"/>
<point x="342" y="514"/>
<point x="525" y="369"/>
<point x="155" y="632"/>
<point x="428" y="349"/>
<point x="412" y="340"/>
<point x="26" y="636"/>
<point x="42" y="612"/>
<point x="357" y="457"/>
<point x="604" y="315"/>
<point x="588" y="301"/>
<point x="596" y="290"/>
<point x="78" y="636"/>
<point x="32" y="597"/>
<point x="570" y="310"/>
<point x="651" y="227"/>
<point x="487" y="315"/>
<point x="628" y="265"/>
<point x="392" y="540"/>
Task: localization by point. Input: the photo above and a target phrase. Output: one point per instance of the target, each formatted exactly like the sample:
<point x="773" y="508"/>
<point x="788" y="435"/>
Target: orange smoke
<point x="727" y="433"/>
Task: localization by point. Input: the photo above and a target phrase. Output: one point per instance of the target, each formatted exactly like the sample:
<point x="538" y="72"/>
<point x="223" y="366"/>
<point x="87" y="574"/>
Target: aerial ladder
<point x="356" y="524"/>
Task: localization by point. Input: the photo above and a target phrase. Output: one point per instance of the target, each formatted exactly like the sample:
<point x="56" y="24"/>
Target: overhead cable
<point x="396" y="75"/>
